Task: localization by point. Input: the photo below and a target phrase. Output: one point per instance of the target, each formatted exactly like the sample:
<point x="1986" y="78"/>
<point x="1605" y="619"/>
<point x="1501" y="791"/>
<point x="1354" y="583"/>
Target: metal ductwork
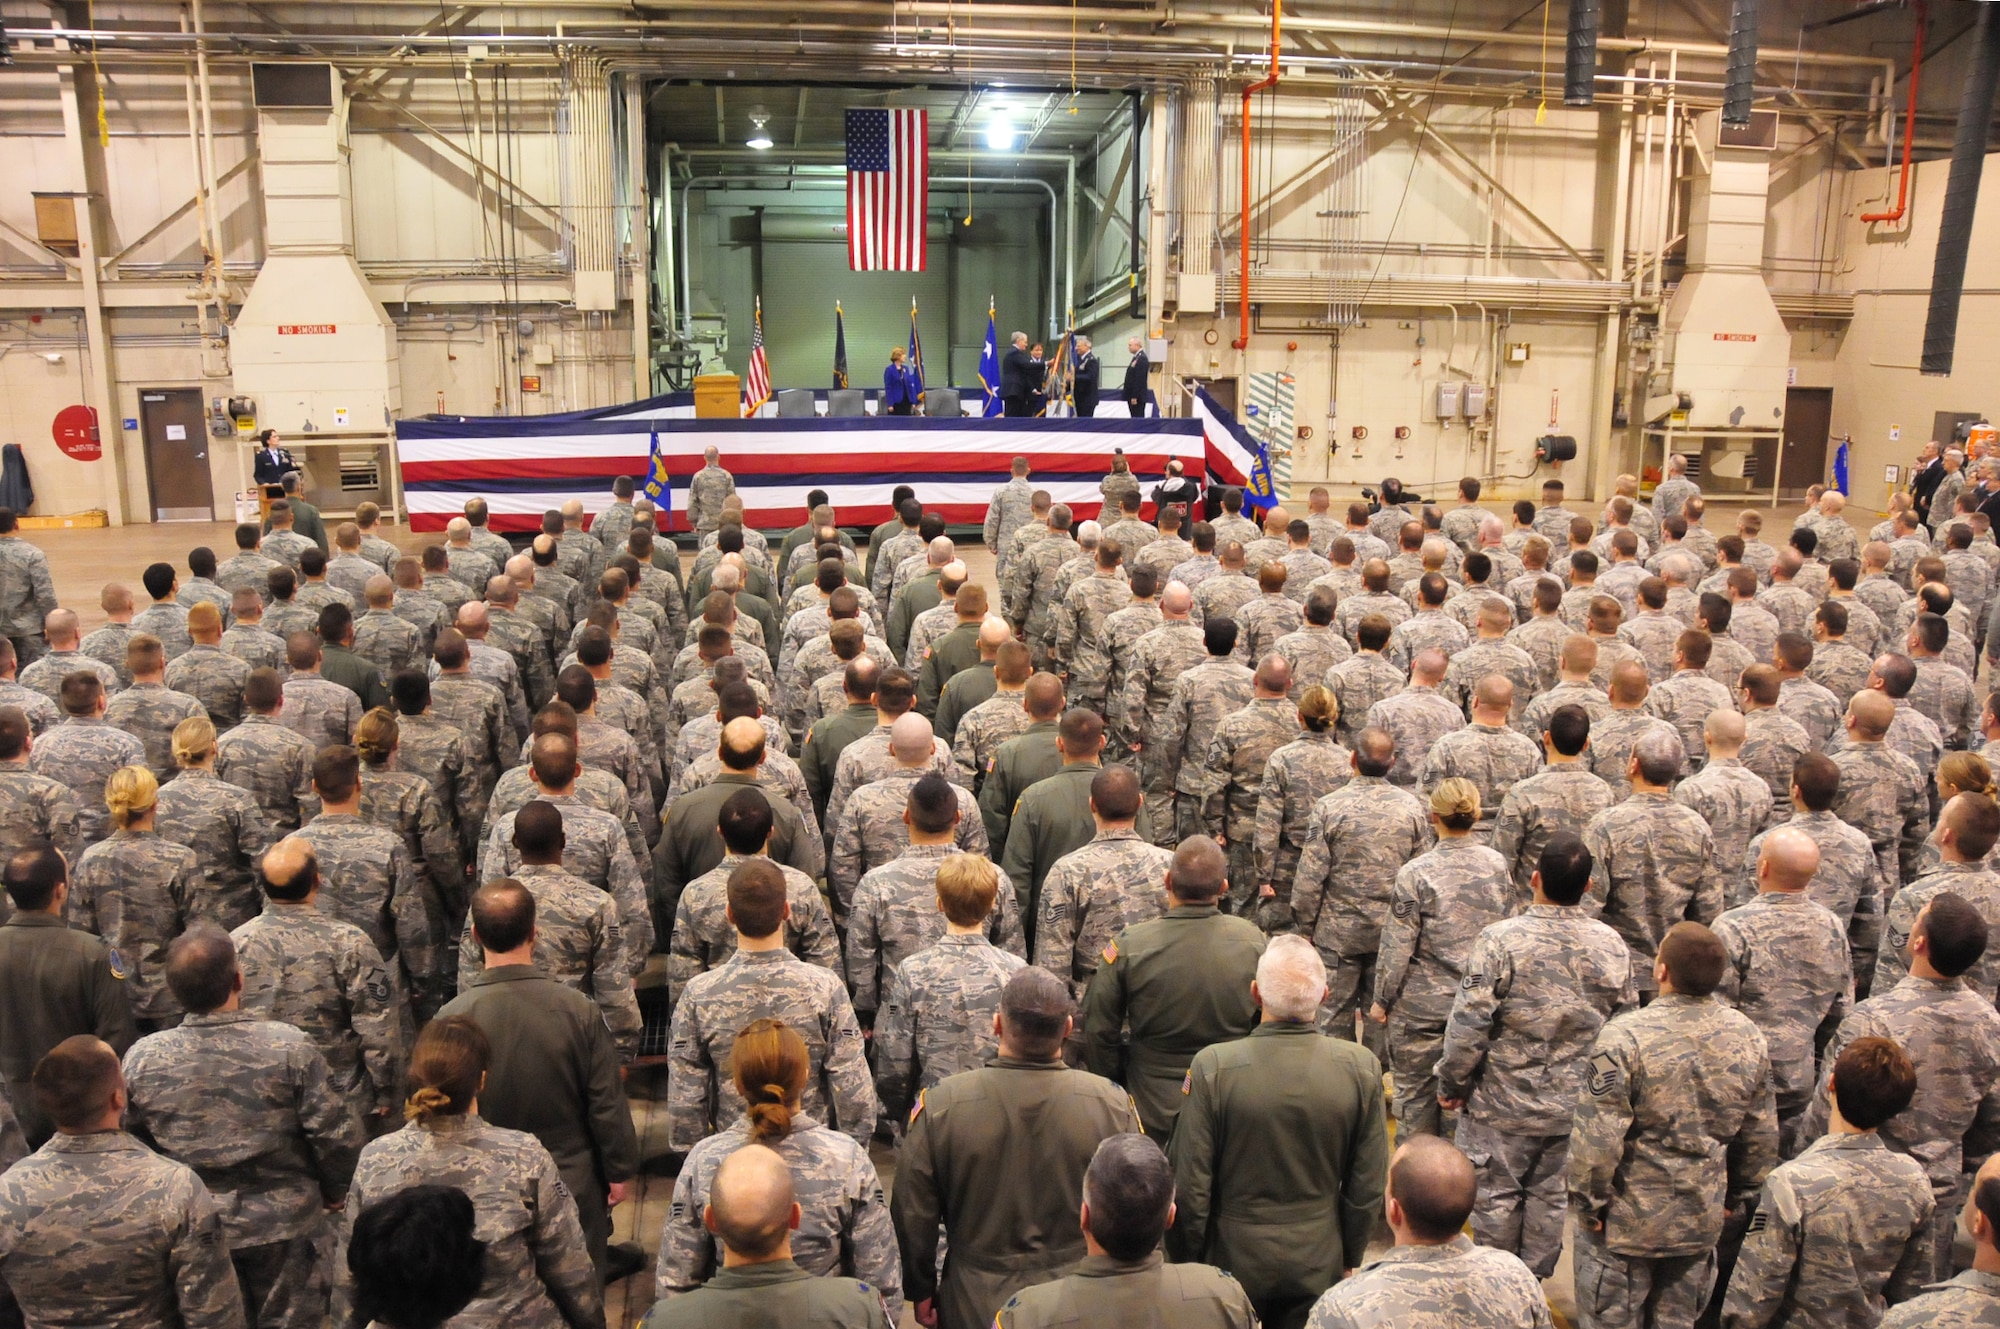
<point x="1580" y="64"/>
<point x="1726" y="347"/>
<point x="1961" y="193"/>
<point x="312" y="345"/>
<point x="1739" y="88"/>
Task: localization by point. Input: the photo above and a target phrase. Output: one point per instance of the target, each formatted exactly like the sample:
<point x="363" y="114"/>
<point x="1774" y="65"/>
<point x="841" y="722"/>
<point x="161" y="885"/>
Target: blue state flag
<point x="914" y="356"/>
<point x="659" y="485"/>
<point x="989" y="368"/>
<point x="1840" y="467"/>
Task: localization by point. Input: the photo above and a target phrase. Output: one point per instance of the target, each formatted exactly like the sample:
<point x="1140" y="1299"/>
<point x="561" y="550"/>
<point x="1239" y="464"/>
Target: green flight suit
<point x="998" y="1154"/>
<point x="54" y="983"/>
<point x="1280" y="1156"/>
<point x="1026" y="759"/>
<point x="1181" y="982"/>
<point x="921" y="594"/>
<point x="690" y="844"/>
<point x="955" y="650"/>
<point x="339" y="664"/>
<point x="756" y="582"/>
<point x="1050" y="819"/>
<point x="967" y="689"/>
<point x="757" y="1296"/>
<point x="757" y="607"/>
<point x="819" y="758"/>
<point x="1148" y="1292"/>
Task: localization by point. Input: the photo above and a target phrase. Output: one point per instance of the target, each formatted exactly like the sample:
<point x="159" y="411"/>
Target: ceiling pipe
<point x="1269" y="80"/>
<point x="1739" y="89"/>
<point x="1895" y="214"/>
<point x="1961" y="193"/>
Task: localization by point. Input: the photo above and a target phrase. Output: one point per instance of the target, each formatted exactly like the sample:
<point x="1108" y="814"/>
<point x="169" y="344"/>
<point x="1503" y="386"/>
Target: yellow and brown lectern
<point x="718" y="397"/>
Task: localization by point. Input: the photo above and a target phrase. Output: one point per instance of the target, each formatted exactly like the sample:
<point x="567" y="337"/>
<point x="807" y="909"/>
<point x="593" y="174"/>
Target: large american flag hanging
<point x="888" y="187"/>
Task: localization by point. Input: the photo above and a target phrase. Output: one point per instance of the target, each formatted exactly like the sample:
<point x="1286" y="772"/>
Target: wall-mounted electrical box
<point x="1477" y="401"/>
<point x="1517" y="352"/>
<point x="1445" y="400"/>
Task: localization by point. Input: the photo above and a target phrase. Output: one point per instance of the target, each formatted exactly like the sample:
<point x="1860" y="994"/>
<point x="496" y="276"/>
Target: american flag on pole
<point x="757" y="390"/>
<point x="888" y="189"/>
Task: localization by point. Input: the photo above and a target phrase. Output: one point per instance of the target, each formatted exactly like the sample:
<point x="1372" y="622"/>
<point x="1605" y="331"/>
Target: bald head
<point x="458" y="531"/>
<point x="1787" y="861"/>
<point x="1493" y="699"/>
<point x="1044" y="697"/>
<point x="521" y="569"/>
<point x="501" y="591"/>
<point x="751" y="1205"/>
<point x="1629" y="684"/>
<point x="993" y="634"/>
<point x="1374" y="752"/>
<point x="1723" y="731"/>
<point x="910" y="739"/>
<point x="60" y="628"/>
<point x="728" y="579"/>
<point x="1869" y="715"/>
<point x="1175" y="601"/>
<point x="940" y="552"/>
<point x="473" y="620"/>
<point x="1274" y="676"/>
<point x="1431" y="1190"/>
<point x="290" y="869"/>
<point x="1429" y="666"/>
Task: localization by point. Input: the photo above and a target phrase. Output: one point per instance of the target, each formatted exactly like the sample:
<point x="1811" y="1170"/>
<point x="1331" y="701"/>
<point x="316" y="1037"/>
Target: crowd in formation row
<point x="1652" y="865"/>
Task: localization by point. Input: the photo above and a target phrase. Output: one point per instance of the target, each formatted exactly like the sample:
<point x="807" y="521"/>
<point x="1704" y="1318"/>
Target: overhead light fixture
<point x="760" y="138"/>
<point x="1000" y="133"/>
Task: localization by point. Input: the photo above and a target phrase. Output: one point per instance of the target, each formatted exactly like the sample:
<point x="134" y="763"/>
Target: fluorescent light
<point x="1000" y="133"/>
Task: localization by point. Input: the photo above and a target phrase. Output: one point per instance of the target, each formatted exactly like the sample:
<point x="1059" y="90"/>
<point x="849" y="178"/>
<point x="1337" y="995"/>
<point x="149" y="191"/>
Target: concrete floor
<point x="82" y="561"/>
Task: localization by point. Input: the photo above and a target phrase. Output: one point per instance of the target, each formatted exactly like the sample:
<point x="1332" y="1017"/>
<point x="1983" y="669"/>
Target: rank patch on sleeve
<point x="918" y="1110"/>
<point x="1111" y="952"/>
<point x="1603" y="1074"/>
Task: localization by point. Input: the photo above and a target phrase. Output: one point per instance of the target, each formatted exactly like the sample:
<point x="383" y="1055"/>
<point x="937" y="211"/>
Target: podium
<point x="718" y="397"/>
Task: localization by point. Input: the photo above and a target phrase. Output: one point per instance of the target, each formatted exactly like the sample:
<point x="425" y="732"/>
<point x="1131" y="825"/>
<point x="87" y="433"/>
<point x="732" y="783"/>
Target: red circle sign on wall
<point x="76" y="433"/>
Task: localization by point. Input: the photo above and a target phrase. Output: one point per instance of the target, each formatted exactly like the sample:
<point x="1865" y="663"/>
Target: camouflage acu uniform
<point x="1296" y="777"/>
<point x="1165" y="556"/>
<point x="247" y="570"/>
<point x="706" y="490"/>
<point x="704" y="938"/>
<point x="282" y="619"/>
<point x="1032" y="591"/>
<point x="578" y="942"/>
<point x="167" y="621"/>
<point x="596" y="849"/>
<point x="272" y="762"/>
<point x="1978" y="885"/>
<point x="350" y="573"/>
<point x="386" y="641"/>
<point x="34" y="807"/>
<point x="149" y="712"/>
<point x="1685" y="700"/>
<point x="1537" y="989"/>
<point x="368" y="880"/>
<point x="248" y="1104"/>
<point x="424" y="612"/>
<point x="538" y="1270"/>
<point x="1262" y="623"/>
<point x="1966" y="1300"/>
<point x="1655" y="866"/>
<point x="871" y="833"/>
<point x="1944" y="695"/>
<point x="319" y="710"/>
<point x="1789" y="972"/>
<point x="1736" y="804"/>
<point x="1428" y="629"/>
<point x="1243" y="745"/>
<point x="753" y="984"/>
<point x="215" y="678"/>
<point x="1182" y="731"/>
<point x="41" y="712"/>
<point x="936" y="1017"/>
<point x="326" y="978"/>
<point x="867" y="760"/>
<point x="136" y="890"/>
<point x="228" y="833"/>
<point x="1612" y="740"/>
<point x="1007" y="512"/>
<point x="1838" y="1231"/>
<point x="404" y="803"/>
<point x="46" y="674"/>
<point x="1953" y="1035"/>
<point x="1727" y="659"/>
<point x="80" y="754"/>
<point x="107" y="646"/>
<point x="1416" y="718"/>
<point x="843" y="1230"/>
<point x="1442" y="900"/>
<point x="1357" y="684"/>
<point x="895" y="914"/>
<point x="1357" y="840"/>
<point x="1492" y="656"/>
<point x="1091" y="895"/>
<point x="255" y="647"/>
<point x="1676" y="1126"/>
<point x="1563" y="797"/>
<point x="99" y="1230"/>
<point x="1653" y="633"/>
<point x="1453" y="1286"/>
<point x="1493" y="757"/>
<point x="1839" y="667"/>
<point x="1222" y="595"/>
<point x="1772" y="746"/>
<point x="979" y="735"/>
<point x="1159" y="659"/>
<point x="317" y="595"/>
<point x="1882" y="795"/>
<point x="1312" y="652"/>
<point x="1079" y="625"/>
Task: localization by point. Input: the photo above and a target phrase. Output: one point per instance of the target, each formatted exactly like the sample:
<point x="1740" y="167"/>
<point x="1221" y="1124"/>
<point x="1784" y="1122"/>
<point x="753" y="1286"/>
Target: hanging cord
<point x="1542" y="108"/>
<point x="97" y="77"/>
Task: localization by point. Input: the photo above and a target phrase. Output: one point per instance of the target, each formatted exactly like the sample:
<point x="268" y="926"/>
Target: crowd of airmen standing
<point x="1633" y="881"/>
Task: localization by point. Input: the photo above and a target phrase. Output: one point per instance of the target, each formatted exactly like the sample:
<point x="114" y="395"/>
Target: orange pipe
<point x="1909" y="128"/>
<point x="1270" y="80"/>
